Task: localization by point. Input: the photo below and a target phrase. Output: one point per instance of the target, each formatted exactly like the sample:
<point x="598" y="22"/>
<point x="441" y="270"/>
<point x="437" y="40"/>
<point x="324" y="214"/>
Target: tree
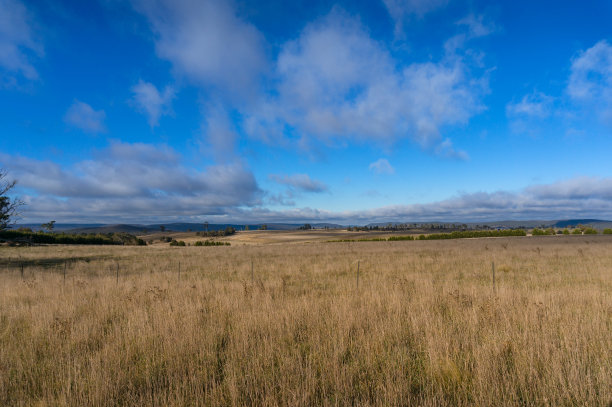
<point x="162" y="228"/>
<point x="48" y="226"/>
<point x="8" y="207"/>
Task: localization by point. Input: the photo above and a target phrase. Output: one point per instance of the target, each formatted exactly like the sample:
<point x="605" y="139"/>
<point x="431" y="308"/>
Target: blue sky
<point x="340" y="111"/>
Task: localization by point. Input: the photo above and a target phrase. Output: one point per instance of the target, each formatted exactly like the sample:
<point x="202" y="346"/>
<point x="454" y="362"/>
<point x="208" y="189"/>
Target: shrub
<point x="590" y="231"/>
<point x="607" y="231"/>
<point x="577" y="232"/>
<point x="566" y="232"/>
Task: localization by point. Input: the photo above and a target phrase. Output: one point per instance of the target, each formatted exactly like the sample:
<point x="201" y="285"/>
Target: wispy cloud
<point x="19" y="45"/>
<point x="590" y="81"/>
<point x="381" y="166"/>
<point x="534" y="105"/>
<point x="82" y="116"/>
<point x="402" y="10"/>
<point x="219" y="134"/>
<point x="478" y="25"/>
<point x="147" y="99"/>
<point x="301" y="182"/>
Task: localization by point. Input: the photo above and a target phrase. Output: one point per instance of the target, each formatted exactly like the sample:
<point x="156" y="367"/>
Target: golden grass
<point x="423" y="328"/>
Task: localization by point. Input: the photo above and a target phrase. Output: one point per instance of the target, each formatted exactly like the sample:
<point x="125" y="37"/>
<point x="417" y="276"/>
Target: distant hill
<point x="138" y="229"/>
<point x="514" y="224"/>
<point x="596" y="223"/>
<point x="132" y="229"/>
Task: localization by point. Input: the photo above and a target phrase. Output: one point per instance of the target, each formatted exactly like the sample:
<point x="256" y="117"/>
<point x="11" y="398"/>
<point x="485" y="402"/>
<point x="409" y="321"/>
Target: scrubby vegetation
<point x="443" y="236"/>
<point x="543" y="232"/>
<point x="228" y="231"/>
<point x="211" y="243"/>
<point x="29" y="237"/>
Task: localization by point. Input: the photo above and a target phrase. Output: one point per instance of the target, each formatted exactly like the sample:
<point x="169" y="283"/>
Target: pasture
<point x="267" y="322"/>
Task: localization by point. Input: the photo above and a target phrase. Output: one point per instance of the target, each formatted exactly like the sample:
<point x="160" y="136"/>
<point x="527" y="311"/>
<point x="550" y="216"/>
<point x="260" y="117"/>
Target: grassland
<point x="290" y="324"/>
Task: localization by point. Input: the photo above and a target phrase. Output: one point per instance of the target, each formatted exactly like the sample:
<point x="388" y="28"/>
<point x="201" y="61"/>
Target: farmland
<point x="287" y="319"/>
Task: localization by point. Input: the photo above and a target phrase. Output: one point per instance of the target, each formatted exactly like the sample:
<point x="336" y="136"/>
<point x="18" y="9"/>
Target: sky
<point x="349" y="112"/>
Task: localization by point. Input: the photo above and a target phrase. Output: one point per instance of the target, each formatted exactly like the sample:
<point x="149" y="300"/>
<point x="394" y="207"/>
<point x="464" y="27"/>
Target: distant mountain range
<point x="138" y="229"/>
<point x="170" y="227"/>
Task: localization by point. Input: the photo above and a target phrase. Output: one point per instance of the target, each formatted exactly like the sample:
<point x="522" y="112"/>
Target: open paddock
<point x="295" y="324"/>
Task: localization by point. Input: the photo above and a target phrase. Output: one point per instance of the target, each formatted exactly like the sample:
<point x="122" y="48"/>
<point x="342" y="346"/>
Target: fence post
<point x="22" y="271"/>
<point x="179" y="271"/>
<point x="117" y="273"/>
<point x="252" y="274"/>
<point x="64" y="272"/>
<point x="358" y="274"/>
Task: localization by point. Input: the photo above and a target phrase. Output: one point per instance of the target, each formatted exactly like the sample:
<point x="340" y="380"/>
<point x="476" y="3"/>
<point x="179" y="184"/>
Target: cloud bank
<point x="148" y="183"/>
<point x="129" y="182"/>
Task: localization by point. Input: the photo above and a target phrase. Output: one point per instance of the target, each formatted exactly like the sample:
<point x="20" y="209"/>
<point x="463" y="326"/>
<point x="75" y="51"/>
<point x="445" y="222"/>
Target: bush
<point x="566" y="232"/>
<point x="590" y="231"/>
<point x="540" y="232"/>
<point x="177" y="243"/>
<point x="607" y="231"/>
<point x="576" y="232"/>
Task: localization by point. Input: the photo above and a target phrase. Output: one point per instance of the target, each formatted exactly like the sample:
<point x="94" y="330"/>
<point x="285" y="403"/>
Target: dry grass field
<point x="290" y="324"/>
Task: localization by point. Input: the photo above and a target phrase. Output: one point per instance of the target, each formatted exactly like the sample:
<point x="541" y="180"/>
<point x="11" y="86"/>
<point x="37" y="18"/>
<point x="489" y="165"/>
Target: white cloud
<point x="333" y="83"/>
<point x="207" y="43"/>
<point x="302" y="182"/>
<point x="150" y="101"/>
<point x="84" y="117"/>
<point x="336" y="82"/>
<point x="18" y="43"/>
<point x="130" y="181"/>
<point x="381" y="166"/>
<point x="590" y="81"/>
